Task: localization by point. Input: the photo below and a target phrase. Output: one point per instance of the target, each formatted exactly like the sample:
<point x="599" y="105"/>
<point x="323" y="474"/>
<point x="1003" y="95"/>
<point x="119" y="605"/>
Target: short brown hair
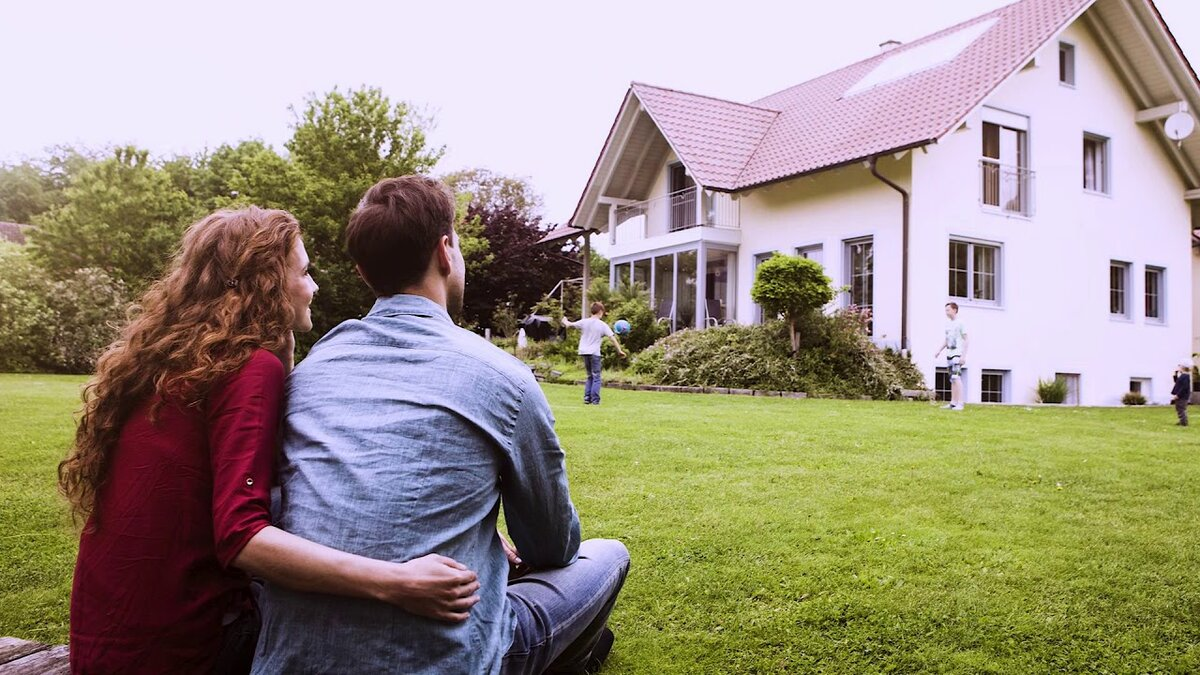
<point x="597" y="307"/>
<point x="952" y="305"/>
<point x="396" y="228"/>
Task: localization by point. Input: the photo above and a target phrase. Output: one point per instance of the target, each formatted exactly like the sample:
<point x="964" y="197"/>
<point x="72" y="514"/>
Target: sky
<point x="523" y="88"/>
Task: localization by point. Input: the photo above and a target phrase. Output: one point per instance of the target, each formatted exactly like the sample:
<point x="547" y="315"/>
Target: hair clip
<point x="231" y="283"/>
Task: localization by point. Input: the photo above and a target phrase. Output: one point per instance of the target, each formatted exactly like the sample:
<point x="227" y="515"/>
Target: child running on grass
<point x="594" y="331"/>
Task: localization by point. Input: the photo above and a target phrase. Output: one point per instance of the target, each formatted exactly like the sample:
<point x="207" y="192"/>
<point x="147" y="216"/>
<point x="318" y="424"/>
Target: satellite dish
<point x="1179" y="126"/>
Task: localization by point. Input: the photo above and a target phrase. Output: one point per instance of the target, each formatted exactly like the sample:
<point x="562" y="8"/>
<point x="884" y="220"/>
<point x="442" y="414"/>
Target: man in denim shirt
<point x="404" y="435"/>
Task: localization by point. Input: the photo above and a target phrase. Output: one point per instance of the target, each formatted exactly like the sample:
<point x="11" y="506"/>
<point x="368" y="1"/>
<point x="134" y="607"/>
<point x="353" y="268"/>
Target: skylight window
<point x="921" y="58"/>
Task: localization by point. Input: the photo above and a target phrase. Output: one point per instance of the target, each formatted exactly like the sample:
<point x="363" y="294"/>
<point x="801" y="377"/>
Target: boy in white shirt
<point x="594" y="331"/>
<point x="955" y="346"/>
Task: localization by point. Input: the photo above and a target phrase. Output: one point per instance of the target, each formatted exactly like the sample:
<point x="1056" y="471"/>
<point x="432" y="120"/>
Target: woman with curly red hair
<point x="174" y="459"/>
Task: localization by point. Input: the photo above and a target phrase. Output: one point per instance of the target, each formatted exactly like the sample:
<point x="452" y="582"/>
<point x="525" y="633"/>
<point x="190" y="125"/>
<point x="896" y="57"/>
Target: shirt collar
<point x="411" y="305"/>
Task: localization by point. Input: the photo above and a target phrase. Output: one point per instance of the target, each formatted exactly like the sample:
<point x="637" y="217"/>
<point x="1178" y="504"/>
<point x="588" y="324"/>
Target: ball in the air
<point x="621" y="326"/>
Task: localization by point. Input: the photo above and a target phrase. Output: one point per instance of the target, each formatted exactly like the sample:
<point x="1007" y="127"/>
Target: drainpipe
<point x="906" y="199"/>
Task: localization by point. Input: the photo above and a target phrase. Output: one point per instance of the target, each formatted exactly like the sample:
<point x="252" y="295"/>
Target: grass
<point x="777" y="535"/>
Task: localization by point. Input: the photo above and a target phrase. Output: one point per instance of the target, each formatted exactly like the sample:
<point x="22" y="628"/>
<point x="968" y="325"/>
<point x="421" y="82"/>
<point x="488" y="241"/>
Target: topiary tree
<point x="792" y="287"/>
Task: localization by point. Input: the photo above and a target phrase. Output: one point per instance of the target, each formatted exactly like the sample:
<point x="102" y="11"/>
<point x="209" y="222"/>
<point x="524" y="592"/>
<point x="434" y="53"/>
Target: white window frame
<point x="807" y="251"/>
<point x="1069" y="78"/>
<point x="1161" y="319"/>
<point x="1104" y="175"/>
<point x="848" y="273"/>
<point x="1074" y="387"/>
<point x="969" y="298"/>
<point x="756" y="260"/>
<point x="1022" y="164"/>
<point x="1145" y="386"/>
<point x="1005" y="377"/>
<point x="1126" y="268"/>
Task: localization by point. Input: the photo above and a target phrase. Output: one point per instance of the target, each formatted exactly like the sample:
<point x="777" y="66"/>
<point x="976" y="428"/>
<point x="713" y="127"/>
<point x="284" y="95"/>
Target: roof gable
<point x="713" y="138"/>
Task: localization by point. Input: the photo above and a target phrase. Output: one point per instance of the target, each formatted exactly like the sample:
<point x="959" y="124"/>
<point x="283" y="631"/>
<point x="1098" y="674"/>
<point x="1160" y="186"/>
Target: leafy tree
<point x="250" y="172"/>
<point x="33" y="187"/>
<point x="25" y="319"/>
<point x="793" y="287"/>
<point x="493" y="191"/>
<point x="122" y="215"/>
<point x="519" y="271"/>
<point x="89" y="308"/>
<point x="342" y="144"/>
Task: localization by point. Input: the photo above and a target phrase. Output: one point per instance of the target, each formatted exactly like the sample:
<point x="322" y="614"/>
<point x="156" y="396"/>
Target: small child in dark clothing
<point x="1182" y="392"/>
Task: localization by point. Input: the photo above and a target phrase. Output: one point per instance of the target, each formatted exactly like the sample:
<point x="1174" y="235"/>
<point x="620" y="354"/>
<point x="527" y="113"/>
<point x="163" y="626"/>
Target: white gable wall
<point x="827" y="209"/>
<point x="1054" y="314"/>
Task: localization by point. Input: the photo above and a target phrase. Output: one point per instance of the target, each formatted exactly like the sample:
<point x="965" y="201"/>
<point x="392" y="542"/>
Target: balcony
<point x="1006" y="188"/>
<point x="675" y="212"/>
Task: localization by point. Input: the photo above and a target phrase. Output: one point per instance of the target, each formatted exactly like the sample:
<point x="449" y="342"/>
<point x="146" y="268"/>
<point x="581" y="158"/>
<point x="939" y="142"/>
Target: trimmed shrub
<point x="836" y="358"/>
<point x="1133" y="398"/>
<point x="1052" y="391"/>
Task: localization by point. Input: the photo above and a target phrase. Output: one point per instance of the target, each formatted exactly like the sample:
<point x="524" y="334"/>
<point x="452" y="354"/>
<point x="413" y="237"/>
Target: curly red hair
<point x="223" y="297"/>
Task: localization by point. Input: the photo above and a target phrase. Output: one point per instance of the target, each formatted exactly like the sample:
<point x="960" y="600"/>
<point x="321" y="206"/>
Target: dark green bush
<point x="836" y="358"/>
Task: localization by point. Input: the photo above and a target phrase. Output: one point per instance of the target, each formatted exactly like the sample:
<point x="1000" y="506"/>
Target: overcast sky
<point x="523" y="88"/>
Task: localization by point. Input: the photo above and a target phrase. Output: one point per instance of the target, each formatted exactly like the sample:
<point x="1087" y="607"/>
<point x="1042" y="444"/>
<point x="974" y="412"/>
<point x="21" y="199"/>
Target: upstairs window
<point x="1066" y="64"/>
<point x="1095" y="164"/>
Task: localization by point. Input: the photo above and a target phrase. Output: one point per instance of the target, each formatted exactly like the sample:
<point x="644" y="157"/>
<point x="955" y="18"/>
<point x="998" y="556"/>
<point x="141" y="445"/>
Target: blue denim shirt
<point x="403" y="436"/>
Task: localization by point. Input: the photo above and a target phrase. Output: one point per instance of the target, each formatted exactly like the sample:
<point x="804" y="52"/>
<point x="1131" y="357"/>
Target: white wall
<point x="827" y="209"/>
<point x="1055" y="284"/>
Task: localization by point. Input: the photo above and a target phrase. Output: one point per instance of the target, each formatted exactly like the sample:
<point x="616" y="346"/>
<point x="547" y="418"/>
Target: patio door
<point x="683" y="198"/>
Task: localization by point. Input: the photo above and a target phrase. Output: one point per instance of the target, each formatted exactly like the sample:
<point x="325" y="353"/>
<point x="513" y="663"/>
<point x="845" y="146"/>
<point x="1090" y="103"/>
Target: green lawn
<point x="777" y="535"/>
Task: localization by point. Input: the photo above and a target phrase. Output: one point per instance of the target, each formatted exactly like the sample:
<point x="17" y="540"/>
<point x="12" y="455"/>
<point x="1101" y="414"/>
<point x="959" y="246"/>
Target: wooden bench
<point x="21" y="657"/>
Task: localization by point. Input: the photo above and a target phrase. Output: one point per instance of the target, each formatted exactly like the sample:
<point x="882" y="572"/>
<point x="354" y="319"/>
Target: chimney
<point x="889" y="45"/>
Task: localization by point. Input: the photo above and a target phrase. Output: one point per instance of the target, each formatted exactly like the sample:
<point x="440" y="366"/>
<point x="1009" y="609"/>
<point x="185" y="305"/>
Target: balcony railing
<point x="679" y="211"/>
<point x="1006" y="187"/>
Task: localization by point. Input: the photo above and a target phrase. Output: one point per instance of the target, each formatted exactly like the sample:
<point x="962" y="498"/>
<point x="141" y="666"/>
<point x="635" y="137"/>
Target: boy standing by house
<point x="594" y="331"/>
<point x="1182" y="392"/>
<point x="955" y="346"/>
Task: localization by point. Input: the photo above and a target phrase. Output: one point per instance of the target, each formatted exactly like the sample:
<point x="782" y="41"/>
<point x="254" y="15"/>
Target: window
<point x="1072" y="380"/>
<point x="683" y="198"/>
<point x="974" y="271"/>
<point x="941" y="385"/>
<point x="860" y="274"/>
<point x="992" y="384"/>
<point x="664" y="283"/>
<point x="1095" y="163"/>
<point x="1118" y="289"/>
<point x="1141" y="385"/>
<point x="760" y="258"/>
<point x="1066" y="64"/>
<point x="1007" y="183"/>
<point x="641" y="272"/>
<point x="815" y="252"/>
<point x="1154" y="293"/>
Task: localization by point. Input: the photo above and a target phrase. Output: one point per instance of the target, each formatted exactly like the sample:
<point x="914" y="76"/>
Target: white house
<point x="1019" y="164"/>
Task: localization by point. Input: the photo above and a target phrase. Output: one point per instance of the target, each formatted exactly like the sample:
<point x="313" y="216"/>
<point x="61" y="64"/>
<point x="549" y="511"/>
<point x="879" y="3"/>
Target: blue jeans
<point x="591" y="389"/>
<point x="562" y="612"/>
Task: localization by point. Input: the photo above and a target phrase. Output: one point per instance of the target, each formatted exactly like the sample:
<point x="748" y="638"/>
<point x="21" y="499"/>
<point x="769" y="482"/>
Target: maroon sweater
<point x="183" y="496"/>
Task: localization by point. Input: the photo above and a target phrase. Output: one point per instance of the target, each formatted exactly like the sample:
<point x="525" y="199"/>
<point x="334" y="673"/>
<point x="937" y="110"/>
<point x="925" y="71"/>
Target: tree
<point x="519" y="271"/>
<point x="33" y="187"/>
<point x="122" y="215"/>
<point x="793" y="287"/>
<point x="493" y="191"/>
<point x="341" y="145"/>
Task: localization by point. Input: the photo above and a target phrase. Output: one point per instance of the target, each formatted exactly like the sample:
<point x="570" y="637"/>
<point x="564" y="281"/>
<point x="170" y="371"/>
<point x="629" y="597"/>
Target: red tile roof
<point x="823" y="123"/>
<point x="13" y="232"/>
